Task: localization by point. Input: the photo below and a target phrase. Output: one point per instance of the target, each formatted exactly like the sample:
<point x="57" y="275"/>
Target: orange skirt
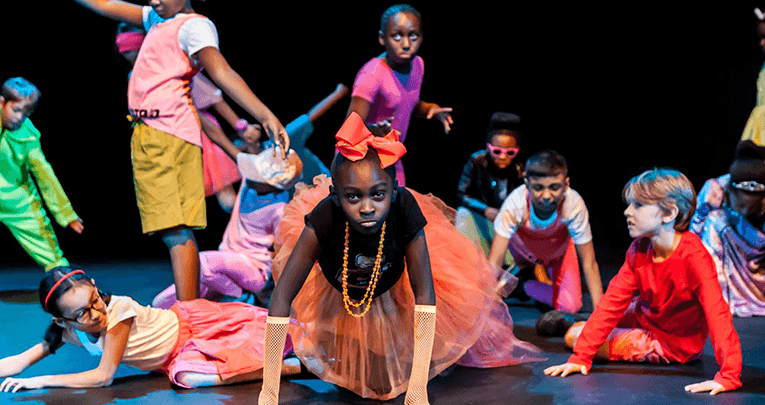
<point x="372" y="355"/>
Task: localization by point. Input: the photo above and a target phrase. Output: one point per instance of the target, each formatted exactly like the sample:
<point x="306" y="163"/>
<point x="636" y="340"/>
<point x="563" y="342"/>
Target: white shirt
<point x="195" y="34"/>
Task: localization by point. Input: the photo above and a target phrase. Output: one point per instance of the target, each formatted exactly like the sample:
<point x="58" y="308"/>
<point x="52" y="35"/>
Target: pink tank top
<point x="158" y="90"/>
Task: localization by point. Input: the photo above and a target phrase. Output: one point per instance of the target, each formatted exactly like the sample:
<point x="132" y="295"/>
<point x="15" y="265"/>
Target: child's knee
<point x="573" y="333"/>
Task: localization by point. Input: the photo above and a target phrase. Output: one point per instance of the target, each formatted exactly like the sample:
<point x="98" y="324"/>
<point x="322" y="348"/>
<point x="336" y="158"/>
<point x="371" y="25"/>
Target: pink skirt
<point x="218" y="338"/>
<point x="219" y="169"/>
<point x="372" y="356"/>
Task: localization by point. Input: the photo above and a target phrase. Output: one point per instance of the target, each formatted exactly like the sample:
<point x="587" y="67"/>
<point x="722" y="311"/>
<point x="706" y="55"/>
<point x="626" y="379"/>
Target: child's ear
<point x="58" y="321"/>
<point x="671" y="215"/>
<point x="333" y="195"/>
<point x="381" y="37"/>
<point x="395" y="190"/>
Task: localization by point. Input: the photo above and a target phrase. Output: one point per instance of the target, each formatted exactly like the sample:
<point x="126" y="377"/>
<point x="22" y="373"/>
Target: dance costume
<point x="482" y="186"/>
<point x="372" y="355"/>
<point x="243" y="259"/>
<point x="167" y="137"/>
<point x="380" y="85"/>
<point x="23" y="167"/>
<point x="550" y="242"/>
<point x="737" y="248"/>
<point x="679" y="303"/>
<point x="193" y="336"/>
<point x="219" y="169"/>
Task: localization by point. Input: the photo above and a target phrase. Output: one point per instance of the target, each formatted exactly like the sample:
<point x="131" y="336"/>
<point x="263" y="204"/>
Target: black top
<point x="404" y="221"/>
<point x="482" y="185"/>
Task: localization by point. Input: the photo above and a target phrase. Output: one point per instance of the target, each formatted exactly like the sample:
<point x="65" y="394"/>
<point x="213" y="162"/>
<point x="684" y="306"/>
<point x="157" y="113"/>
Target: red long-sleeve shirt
<point x="680" y="302"/>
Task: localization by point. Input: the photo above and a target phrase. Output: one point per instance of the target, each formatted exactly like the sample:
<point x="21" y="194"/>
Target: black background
<point x="616" y="89"/>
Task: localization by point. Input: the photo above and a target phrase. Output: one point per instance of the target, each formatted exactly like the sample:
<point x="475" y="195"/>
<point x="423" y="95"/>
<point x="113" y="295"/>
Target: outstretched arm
<point x="116" y="10"/>
<point x="361" y="107"/>
<point x="101" y="376"/>
<point x="235" y="87"/>
<point x="430" y="110"/>
<point x="13" y="365"/>
<point x="586" y="255"/>
<point x="324" y="105"/>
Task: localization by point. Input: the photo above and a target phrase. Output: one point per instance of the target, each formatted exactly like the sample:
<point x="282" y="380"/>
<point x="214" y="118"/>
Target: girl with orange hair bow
<point x="378" y="289"/>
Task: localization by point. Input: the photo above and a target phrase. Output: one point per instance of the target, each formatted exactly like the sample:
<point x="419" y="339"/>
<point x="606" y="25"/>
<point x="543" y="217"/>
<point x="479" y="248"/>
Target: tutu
<point x="372" y="355"/>
<point x="219" y="169"/>
<point x="218" y="338"/>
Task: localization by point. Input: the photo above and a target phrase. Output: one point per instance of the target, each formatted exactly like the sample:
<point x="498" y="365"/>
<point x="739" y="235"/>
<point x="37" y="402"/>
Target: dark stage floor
<point x="22" y="322"/>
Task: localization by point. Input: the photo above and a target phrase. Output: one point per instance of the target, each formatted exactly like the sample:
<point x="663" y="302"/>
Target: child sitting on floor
<point x="678" y="301"/>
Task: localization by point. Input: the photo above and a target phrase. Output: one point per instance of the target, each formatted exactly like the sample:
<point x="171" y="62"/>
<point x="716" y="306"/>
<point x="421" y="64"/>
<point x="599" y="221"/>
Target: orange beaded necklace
<point x="372" y="282"/>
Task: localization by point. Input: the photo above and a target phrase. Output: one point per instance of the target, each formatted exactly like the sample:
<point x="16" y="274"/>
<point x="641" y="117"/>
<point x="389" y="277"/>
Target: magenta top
<point x="377" y="83"/>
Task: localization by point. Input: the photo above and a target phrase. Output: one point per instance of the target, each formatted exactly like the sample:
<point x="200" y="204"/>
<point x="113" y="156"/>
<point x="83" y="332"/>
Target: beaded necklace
<point x="372" y="282"/>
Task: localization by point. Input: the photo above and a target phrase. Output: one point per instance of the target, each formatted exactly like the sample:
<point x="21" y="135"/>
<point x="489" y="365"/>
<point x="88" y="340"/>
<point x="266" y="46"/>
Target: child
<point x="755" y="125"/>
<point x="196" y="343"/>
<point x="386" y="91"/>
<point x="166" y="143"/>
<point x="340" y="273"/>
<point x="487" y="178"/>
<point x="22" y="158"/>
<point x="242" y="262"/>
<point x="679" y="300"/>
<point x="545" y="224"/>
<point x="730" y="220"/>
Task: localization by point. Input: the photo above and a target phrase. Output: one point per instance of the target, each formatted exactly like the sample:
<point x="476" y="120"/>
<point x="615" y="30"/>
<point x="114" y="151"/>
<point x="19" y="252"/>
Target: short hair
<point x="395" y="9"/>
<point x="504" y="123"/>
<point x="339" y="160"/>
<point x="546" y="163"/>
<point x="19" y="88"/>
<point x="666" y="188"/>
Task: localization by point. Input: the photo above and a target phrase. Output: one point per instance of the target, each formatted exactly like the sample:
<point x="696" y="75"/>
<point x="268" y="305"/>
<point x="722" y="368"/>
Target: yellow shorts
<point x="168" y="178"/>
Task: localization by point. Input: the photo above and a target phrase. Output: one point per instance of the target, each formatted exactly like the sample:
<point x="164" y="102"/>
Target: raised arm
<point x="116" y="10"/>
<point x="324" y="105"/>
<point x="235" y="87"/>
<point x="101" y="376"/>
<point x="430" y="110"/>
<point x="586" y="255"/>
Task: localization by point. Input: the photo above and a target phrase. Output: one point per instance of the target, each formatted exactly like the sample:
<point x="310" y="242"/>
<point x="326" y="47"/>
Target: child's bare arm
<point x="566" y="369"/>
<point x="296" y="270"/>
<point x="498" y="249"/>
<point x="116" y="10"/>
<point x="324" y="105"/>
<point x="429" y="110"/>
<point x="101" y="376"/>
<point x="235" y="87"/>
<point x="218" y="137"/>
<point x="13" y="365"/>
<point x="586" y="255"/>
<point x="420" y="276"/>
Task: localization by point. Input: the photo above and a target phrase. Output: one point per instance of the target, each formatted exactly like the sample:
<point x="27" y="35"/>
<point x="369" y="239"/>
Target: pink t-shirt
<point x="377" y="83"/>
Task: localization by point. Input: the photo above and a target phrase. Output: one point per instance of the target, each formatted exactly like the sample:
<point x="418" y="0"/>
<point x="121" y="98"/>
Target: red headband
<point x="354" y="140"/>
<point x="58" y="283"/>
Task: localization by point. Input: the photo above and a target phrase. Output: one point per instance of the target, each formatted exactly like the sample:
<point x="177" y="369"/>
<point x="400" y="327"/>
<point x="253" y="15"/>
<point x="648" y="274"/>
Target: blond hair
<point x="666" y="188"/>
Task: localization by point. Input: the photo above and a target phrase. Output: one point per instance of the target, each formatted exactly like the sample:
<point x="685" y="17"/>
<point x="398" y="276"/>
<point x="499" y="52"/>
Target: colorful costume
<point x="167" y="137"/>
<point x="679" y="303"/>
<point x="482" y="186"/>
<point x="755" y="125"/>
<point x="219" y="169"/>
<point x="372" y="355"/>
<point x="193" y="336"/>
<point x="737" y="247"/>
<point x="390" y="95"/>
<point x="243" y="259"/>
<point x="21" y="207"/>
<point x="550" y="242"/>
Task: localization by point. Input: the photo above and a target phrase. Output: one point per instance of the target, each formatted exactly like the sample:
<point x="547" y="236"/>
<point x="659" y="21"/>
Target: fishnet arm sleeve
<point x="424" y="333"/>
<point x="276" y="334"/>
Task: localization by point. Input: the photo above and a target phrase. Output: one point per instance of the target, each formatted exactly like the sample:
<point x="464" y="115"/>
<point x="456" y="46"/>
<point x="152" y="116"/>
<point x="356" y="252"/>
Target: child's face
<point x="83" y="308"/>
<point x="169" y="8"/>
<point x="15" y="112"/>
<point x="364" y="191"/>
<point x="546" y="193"/>
<point x="761" y="35"/>
<point x="402" y="37"/>
<point x="751" y="205"/>
<point x="498" y="157"/>
<point x="644" y="219"/>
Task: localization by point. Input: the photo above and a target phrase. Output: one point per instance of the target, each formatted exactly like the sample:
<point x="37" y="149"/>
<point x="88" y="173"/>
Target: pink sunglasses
<point x="497" y="151"/>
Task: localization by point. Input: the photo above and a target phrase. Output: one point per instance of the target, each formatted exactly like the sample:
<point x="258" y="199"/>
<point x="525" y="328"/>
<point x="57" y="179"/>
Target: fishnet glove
<point x="276" y="334"/>
<point x="424" y="332"/>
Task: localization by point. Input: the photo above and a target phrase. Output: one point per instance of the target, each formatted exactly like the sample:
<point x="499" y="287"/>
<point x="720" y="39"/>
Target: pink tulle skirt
<point x="372" y="356"/>
<point x="219" y="169"/>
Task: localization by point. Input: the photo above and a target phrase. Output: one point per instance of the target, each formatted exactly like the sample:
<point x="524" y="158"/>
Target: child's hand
<point x="566" y="369"/>
<point x="442" y="113"/>
<point x="76" y="225"/>
<point x="383" y="127"/>
<point x="16" y="384"/>
<point x="276" y="131"/>
<point x="490" y="213"/>
<point x="712" y="386"/>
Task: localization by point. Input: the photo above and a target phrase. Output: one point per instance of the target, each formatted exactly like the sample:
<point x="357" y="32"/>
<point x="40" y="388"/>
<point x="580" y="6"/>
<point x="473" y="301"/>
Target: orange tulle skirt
<point x="372" y="355"/>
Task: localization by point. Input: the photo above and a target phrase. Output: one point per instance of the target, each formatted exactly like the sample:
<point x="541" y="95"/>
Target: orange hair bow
<point x="354" y="140"/>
